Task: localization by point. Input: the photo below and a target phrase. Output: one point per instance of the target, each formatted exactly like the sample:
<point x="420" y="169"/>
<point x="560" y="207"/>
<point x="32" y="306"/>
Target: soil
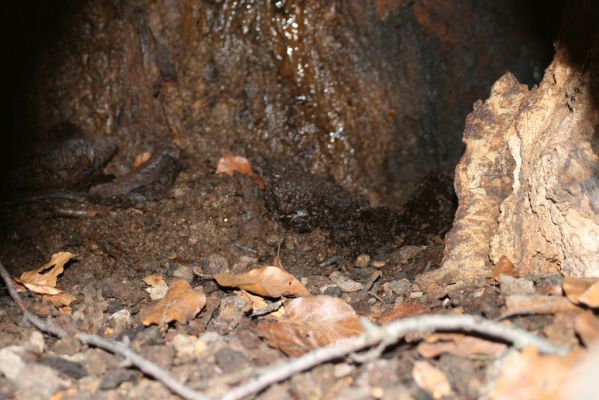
<point x="202" y="225"/>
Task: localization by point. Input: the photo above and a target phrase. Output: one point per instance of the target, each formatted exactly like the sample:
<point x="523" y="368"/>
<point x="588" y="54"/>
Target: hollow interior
<point x="369" y="95"/>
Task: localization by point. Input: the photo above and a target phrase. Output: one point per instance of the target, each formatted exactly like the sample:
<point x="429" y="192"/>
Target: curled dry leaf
<point x="230" y="164"/>
<point x="43" y="279"/>
<point x="587" y="327"/>
<point x="431" y="379"/>
<point x="537" y="304"/>
<point x="529" y="375"/>
<point x="141" y="159"/>
<point x="181" y="303"/>
<point x="457" y="344"/>
<point x="504" y="267"/>
<point x="266" y="281"/>
<point x="582" y="290"/>
<point x="309" y="323"/>
<point x="403" y="310"/>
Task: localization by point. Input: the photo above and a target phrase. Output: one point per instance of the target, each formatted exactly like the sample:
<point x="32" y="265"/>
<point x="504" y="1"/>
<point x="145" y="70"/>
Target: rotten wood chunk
<point x="304" y="201"/>
<point x="150" y="181"/>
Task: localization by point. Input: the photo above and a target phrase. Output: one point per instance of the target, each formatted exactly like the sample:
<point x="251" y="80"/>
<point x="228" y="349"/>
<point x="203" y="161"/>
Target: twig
<point x="144" y="365"/>
<point x="330" y="261"/>
<point x="68" y="213"/>
<point x="374" y="335"/>
<point x="112" y="346"/>
<point x="71" y="196"/>
<point x="391" y="333"/>
<point x="274" y="306"/>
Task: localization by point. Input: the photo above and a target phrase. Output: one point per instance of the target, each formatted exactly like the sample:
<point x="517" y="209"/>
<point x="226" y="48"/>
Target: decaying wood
<point x="528" y="183"/>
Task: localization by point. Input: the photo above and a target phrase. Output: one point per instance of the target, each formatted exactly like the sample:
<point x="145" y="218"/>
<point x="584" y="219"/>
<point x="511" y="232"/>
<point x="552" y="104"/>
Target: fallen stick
<point x="391" y="333"/>
<point x="374" y="335"/>
<point x="112" y="346"/>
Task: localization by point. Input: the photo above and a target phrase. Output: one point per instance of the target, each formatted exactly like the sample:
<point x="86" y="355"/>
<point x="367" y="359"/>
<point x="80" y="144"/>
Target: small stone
<point x="70" y="368"/>
<point x="515" y="286"/>
<point x="362" y="261"/>
<point x="120" y="321"/>
<point x="157" y="292"/>
<point x="187" y="347"/>
<point x="378" y="264"/>
<point x="37" y="381"/>
<point x="115" y="377"/>
<point x="36" y="342"/>
<point x="230" y="360"/>
<point x="416" y="295"/>
<point x="215" y="264"/>
<point x="344" y="283"/>
<point x="11" y="362"/>
<point x="184" y="272"/>
<point x="400" y="287"/>
<point x="343" y="370"/>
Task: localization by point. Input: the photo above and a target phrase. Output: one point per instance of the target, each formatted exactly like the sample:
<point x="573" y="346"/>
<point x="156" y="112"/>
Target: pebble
<point x="215" y="264"/>
<point x="344" y="283"/>
<point x="362" y="261"/>
<point x="184" y="272"/>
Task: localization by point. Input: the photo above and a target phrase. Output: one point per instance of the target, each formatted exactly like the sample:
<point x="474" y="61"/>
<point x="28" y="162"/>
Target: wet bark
<point x="372" y="93"/>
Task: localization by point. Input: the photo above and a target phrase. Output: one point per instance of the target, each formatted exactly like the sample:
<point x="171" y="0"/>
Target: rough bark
<point x="372" y="93"/>
<point x="528" y="183"/>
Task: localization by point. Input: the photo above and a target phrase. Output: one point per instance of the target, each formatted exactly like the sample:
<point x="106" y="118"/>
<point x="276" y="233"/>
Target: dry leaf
<point x="265" y="281"/>
<point x="590" y="297"/>
<point x="457" y="344"/>
<point x="587" y="327"/>
<point x="59" y="300"/>
<point x="431" y="379"/>
<point x="181" y="303"/>
<point x="231" y="164"/>
<point x="309" y="323"/>
<point x="43" y="279"/>
<point x="574" y="287"/>
<point x="403" y="310"/>
<point x="503" y="267"/>
<point x="141" y="159"/>
<point x="536" y="304"/>
<point x="529" y="375"/>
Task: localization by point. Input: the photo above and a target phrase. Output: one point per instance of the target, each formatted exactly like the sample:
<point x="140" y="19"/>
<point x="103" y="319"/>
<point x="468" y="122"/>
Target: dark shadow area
<point x="28" y="29"/>
<point x="578" y="40"/>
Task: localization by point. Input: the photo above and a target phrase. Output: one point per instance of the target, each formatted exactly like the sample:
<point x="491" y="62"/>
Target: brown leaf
<point x="587" y="327"/>
<point x="528" y="375"/>
<point x="575" y="288"/>
<point x="265" y="281"/>
<point x="141" y="159"/>
<point x="309" y="323"/>
<point x="457" y="344"/>
<point x="403" y="310"/>
<point x="504" y="267"/>
<point x="230" y="164"/>
<point x="536" y="304"/>
<point x="44" y="282"/>
<point x="181" y="303"/>
<point x="61" y="301"/>
<point x="431" y="379"/>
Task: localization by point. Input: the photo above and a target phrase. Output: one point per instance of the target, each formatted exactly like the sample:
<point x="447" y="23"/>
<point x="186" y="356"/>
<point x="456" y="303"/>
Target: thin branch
<point x="144" y="365"/>
<point x="374" y="335"/>
<point x="112" y="346"/>
<point x="391" y="333"/>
